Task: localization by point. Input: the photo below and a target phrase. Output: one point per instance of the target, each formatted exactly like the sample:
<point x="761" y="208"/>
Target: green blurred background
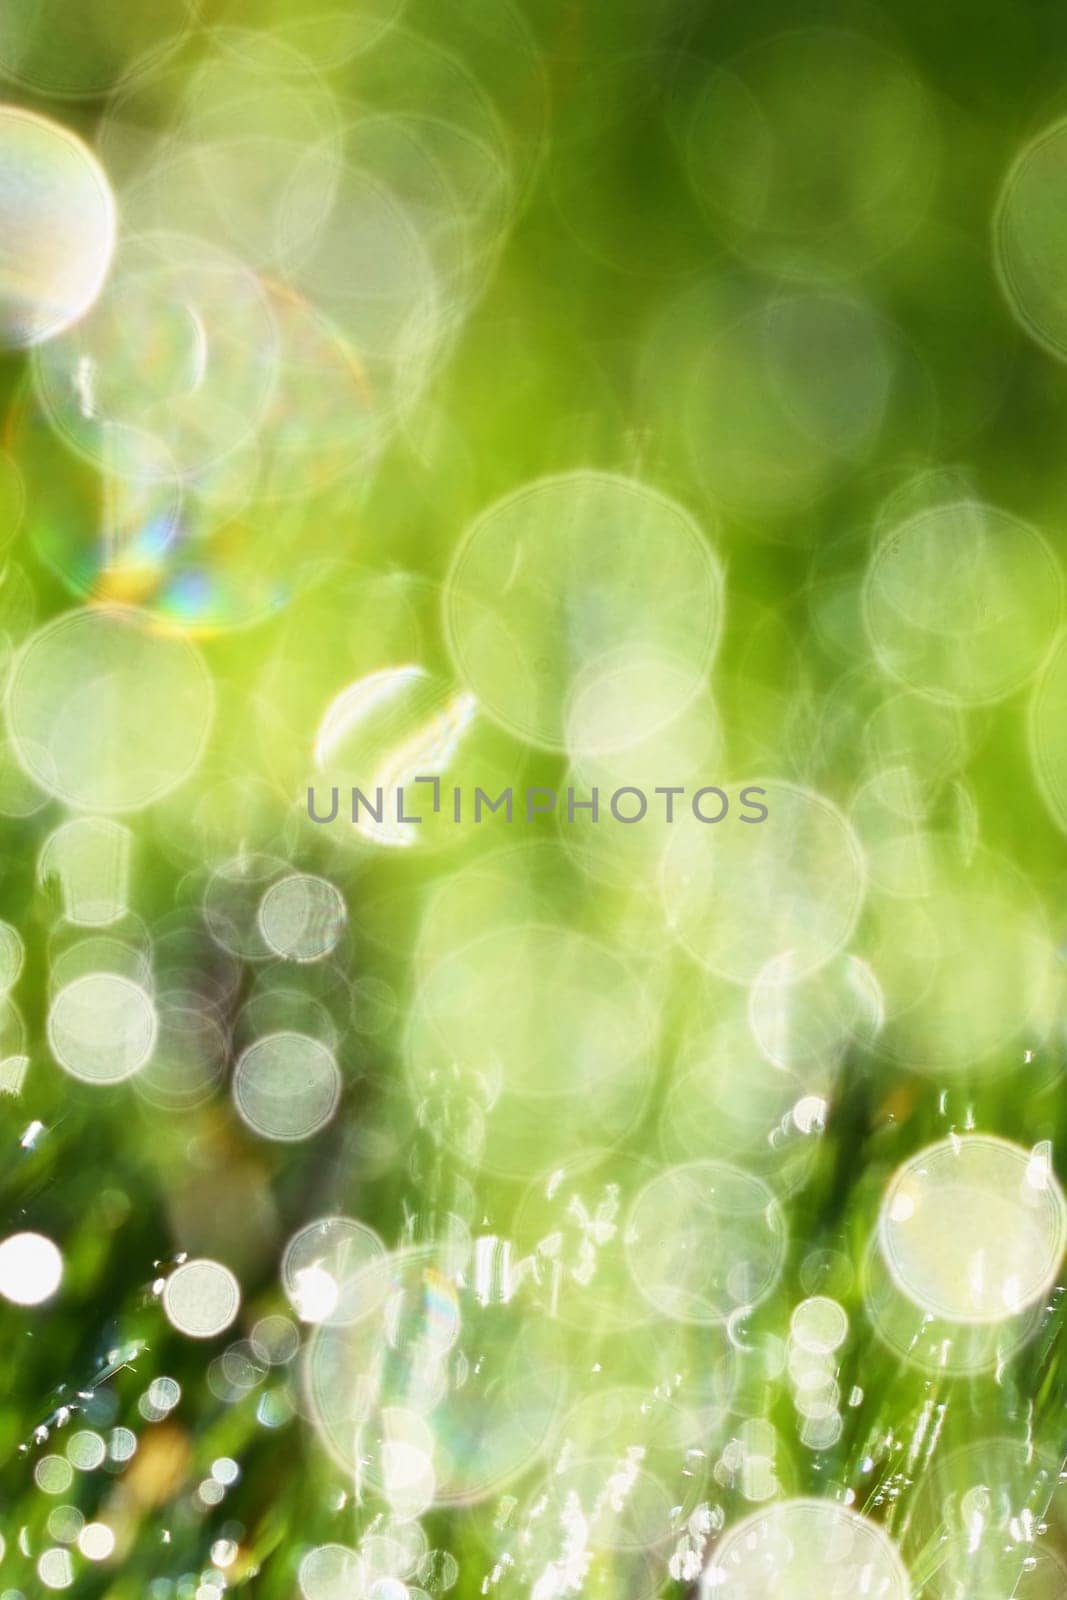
<point x="749" y="258"/>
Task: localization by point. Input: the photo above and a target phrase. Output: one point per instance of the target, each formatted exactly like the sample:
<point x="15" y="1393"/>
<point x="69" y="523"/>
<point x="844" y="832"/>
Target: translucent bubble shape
<point x="438" y="1571"/>
<point x="233" y="190"/>
<point x="186" y="959"/>
<point x="13" y="1071"/>
<point x="286" y="1086"/>
<point x="383" y="732"/>
<point x="624" y="1504"/>
<point x="57" y="227"/>
<point x="454" y="181"/>
<point x="86" y="1450"/>
<point x="985" y="1505"/>
<point x="961" y="601"/>
<point x="12" y="955"/>
<point x="246" y="126"/>
<point x="190" y="1056"/>
<point x="433" y="1394"/>
<point x="1030" y="239"/>
<point x="808" y="1025"/>
<point x="173" y="370"/>
<point x="275" y="1339"/>
<point x="306" y="999"/>
<point x="704" y="1241"/>
<point x="738" y="895"/>
<point x="569" y="571"/>
<point x="480" y="1022"/>
<point x="805" y="1550"/>
<point x="331" y="1572"/>
<point x="369" y="269"/>
<point x="96" y="1541"/>
<point x="159" y="1399"/>
<point x="102" y="1028"/>
<point x="973" y="1229"/>
<point x="892" y="728"/>
<point x="324" y="423"/>
<point x="77" y="956"/>
<point x="53" y="1475"/>
<point x="238" y="805"/>
<point x="88" y="859"/>
<point x="302" y="917"/>
<point x="238" y="540"/>
<point x="904" y="820"/>
<point x="932" y="1344"/>
<point x="954" y="1003"/>
<point x="789" y="399"/>
<point x="764" y="151"/>
<point x="479" y="70"/>
<point x="232" y="899"/>
<point x="819" y="1325"/>
<point x="105" y="713"/>
<point x="201" y="1298"/>
<point x="322" y="1269"/>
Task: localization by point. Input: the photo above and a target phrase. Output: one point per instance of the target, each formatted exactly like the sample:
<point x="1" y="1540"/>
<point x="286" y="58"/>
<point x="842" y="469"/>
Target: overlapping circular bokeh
<point x="617" y="1199"/>
<point x="107" y="713"/>
<point x="553" y="582"/>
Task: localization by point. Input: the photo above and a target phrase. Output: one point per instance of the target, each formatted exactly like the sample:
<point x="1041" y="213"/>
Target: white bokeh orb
<point x="57" y="228"/>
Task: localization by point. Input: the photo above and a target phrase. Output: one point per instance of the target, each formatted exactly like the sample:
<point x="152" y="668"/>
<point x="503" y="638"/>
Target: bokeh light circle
<point x="764" y="151"/>
<point x="1030" y="239"/>
<point x="105" y="712"/>
<point x="805" y="1550"/>
<point x="286" y="1086"/>
<point x="961" y="601"/>
<point x="705" y="1240"/>
<point x="102" y="1028"/>
<point x="480" y="1018"/>
<point x="57" y="223"/>
<point x="173" y="371"/>
<point x="321" y="1268"/>
<point x="31" y="1268"/>
<point x="12" y="955"/>
<point x="767" y="440"/>
<point x="201" y="1298"/>
<point x="331" y="1572"/>
<point x="436" y="1394"/>
<point x="566" y="572"/>
<point x="973" y="1229"/>
<point x="739" y="894"/>
<point x="302" y="917"/>
<point x="819" y="1325"/>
